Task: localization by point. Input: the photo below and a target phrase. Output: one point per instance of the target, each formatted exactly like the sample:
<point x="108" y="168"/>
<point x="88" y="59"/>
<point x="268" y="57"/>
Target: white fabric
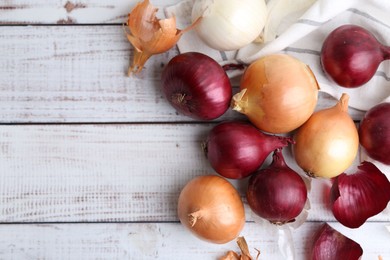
<point x="301" y="34"/>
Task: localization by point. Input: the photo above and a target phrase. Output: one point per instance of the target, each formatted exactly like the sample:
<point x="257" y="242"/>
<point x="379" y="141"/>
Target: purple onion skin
<point x="357" y="197"/>
<point x="277" y="193"/>
<point x="329" y="244"/>
<point x="237" y="149"/>
<point x="196" y="86"/>
<point x="374" y="132"/>
<point x="350" y="55"/>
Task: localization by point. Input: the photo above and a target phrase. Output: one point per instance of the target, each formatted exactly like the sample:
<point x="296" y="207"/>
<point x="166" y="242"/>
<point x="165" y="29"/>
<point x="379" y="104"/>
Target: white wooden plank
<point x="110" y="172"/>
<point x="78" y="74"/>
<point x="71" y="12"/>
<point x="164" y="241"/>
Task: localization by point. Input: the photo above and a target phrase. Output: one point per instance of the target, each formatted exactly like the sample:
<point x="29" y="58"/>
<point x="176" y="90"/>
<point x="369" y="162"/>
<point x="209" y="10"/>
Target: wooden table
<point x="92" y="161"/>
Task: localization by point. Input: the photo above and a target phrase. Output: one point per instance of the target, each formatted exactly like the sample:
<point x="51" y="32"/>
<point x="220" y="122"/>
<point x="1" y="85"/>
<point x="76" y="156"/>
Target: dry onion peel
<point x="329" y="243"/>
<point x="150" y="35"/>
<point x="359" y="196"/>
<point x="245" y="254"/>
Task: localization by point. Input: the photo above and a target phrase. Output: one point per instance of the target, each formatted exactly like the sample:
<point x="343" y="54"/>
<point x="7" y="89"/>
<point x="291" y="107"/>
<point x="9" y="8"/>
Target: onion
<point x="327" y="144"/>
<point x="196" y="86"/>
<point x="374" y="132"/>
<point x="211" y="208"/>
<point x="330" y="244"/>
<point x="357" y="197"/>
<point x="350" y="55"/>
<point x="237" y="149"/>
<point x="229" y="24"/>
<point x="277" y="193"/>
<point x="278" y="93"/>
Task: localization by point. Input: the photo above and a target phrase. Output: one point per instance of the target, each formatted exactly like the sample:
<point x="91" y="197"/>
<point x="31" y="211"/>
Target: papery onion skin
<point x="278" y="93"/>
<point x="150" y="35"/>
<point x="327" y="144"/>
<point x="330" y="244"/>
<point x="374" y="132"/>
<point x="350" y="55"/>
<point x="236" y="149"/>
<point x="277" y="193"/>
<point x="211" y="208"/>
<point x="229" y="24"/>
<point x="196" y="86"/>
<point x="359" y="196"/>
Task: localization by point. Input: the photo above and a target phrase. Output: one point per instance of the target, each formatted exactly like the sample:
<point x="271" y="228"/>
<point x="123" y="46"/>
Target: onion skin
<point x="278" y="93"/>
<point x="329" y="244"/>
<point x="211" y="208"/>
<point x="237" y="149"/>
<point x="357" y="197"/>
<point x="327" y="144"/>
<point x="350" y="55"/>
<point x="374" y="132"/>
<point x="277" y="193"/>
<point x="196" y="86"/>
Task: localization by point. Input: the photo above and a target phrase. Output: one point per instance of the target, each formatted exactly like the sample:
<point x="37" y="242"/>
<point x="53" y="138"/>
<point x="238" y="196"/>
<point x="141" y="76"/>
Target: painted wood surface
<point x="78" y="74"/>
<point x="165" y="241"/>
<point x="92" y="162"/>
<point x="126" y="172"/>
<point x="71" y="12"/>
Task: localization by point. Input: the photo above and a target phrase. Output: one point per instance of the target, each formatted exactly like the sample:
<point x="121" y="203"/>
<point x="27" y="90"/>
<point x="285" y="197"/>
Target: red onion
<point x="351" y="55"/>
<point x="374" y="132"/>
<point x="331" y="244"/>
<point x="359" y="196"/>
<point x="277" y="193"/>
<point x="196" y="86"/>
<point x="236" y="149"/>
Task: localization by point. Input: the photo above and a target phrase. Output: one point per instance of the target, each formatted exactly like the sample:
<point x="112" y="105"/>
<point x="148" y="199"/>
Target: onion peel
<point x="150" y="35"/>
<point x="331" y="244"/>
<point x="359" y="196"/>
<point x="245" y="254"/>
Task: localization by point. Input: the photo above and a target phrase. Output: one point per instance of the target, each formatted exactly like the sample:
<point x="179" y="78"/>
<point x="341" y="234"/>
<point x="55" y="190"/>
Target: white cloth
<point x="301" y="34"/>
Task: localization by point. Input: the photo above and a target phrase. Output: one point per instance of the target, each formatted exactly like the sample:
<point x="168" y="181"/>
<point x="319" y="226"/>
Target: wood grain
<point x="165" y="241"/>
<point x="125" y="172"/>
<point x="71" y="12"/>
<point x="71" y="74"/>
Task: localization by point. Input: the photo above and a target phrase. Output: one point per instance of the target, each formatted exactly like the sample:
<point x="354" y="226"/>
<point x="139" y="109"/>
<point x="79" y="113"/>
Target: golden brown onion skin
<point x="278" y="93"/>
<point x="211" y="208"/>
<point x="327" y="144"/>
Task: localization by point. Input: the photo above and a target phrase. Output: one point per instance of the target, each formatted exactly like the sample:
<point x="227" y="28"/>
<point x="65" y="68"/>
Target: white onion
<point x="229" y="24"/>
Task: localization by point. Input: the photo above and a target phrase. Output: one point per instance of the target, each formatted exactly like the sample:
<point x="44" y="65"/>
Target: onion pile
<point x="278" y="93"/>
<point x="277" y="193"/>
<point x="327" y="144"/>
<point x="211" y="208"/>
<point x="350" y="55"/>
<point x="237" y="149"/>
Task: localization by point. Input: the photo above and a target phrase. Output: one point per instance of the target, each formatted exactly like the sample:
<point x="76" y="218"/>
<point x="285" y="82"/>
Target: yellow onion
<point x="327" y="144"/>
<point x="278" y="93"/>
<point x="211" y="208"/>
